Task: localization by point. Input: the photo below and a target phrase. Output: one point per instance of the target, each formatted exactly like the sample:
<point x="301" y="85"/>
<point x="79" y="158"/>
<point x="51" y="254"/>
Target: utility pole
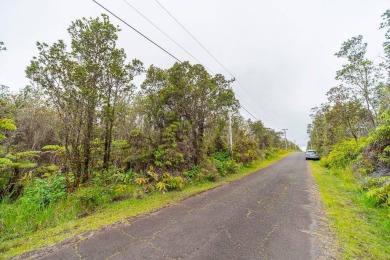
<point x="230" y="132"/>
<point x="285" y="136"/>
<point x="295" y="145"/>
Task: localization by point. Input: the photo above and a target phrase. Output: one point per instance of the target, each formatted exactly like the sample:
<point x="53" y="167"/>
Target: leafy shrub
<point x="88" y="199"/>
<point x="222" y="156"/>
<point x="378" y="148"/>
<point x="226" y="166"/>
<point x="344" y="153"/>
<point x="245" y="149"/>
<point x="192" y="173"/>
<point x="161" y="186"/>
<point x="121" y="177"/>
<point x="121" y="191"/>
<point x="172" y="182"/>
<point x="45" y="191"/>
<point x="380" y="195"/>
<point x="232" y="167"/>
<point x="369" y="183"/>
<point x="270" y="152"/>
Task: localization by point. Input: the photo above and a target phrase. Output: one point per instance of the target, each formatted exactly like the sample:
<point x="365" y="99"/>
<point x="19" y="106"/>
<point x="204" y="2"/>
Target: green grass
<point x="112" y="213"/>
<point x="361" y="228"/>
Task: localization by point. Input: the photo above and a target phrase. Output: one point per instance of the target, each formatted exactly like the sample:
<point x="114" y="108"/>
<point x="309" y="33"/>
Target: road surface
<point x="274" y="213"/>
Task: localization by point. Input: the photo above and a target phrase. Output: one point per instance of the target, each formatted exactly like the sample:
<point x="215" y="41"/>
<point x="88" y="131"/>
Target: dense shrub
<point x="42" y="192"/>
<point x="344" y="153"/>
<point x="380" y="195"/>
<point x="378" y="149"/>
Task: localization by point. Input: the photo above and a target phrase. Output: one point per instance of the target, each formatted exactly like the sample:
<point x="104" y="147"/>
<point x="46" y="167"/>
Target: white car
<point x="312" y="155"/>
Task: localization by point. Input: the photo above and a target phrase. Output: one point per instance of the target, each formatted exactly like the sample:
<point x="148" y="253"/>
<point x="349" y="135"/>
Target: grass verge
<point x="119" y="211"/>
<point x="361" y="228"/>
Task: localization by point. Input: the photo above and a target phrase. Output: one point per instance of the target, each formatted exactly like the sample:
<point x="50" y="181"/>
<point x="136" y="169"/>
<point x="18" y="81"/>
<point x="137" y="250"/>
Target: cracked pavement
<point x="270" y="214"/>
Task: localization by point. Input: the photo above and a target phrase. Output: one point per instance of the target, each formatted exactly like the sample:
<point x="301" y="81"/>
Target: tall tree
<point x="360" y="74"/>
<point x="188" y="93"/>
<point x="386" y="45"/>
<point x="81" y="82"/>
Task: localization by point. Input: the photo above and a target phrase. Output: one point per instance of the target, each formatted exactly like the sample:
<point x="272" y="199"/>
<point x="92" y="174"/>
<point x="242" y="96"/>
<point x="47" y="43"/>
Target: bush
<point x="344" y="154"/>
<point x="226" y="167"/>
<point x="88" y="199"/>
<point x="192" y="173"/>
<point x="45" y="191"/>
<point x="381" y="195"/>
<point x="270" y="152"/>
<point x="175" y="183"/>
<point x="378" y="149"/>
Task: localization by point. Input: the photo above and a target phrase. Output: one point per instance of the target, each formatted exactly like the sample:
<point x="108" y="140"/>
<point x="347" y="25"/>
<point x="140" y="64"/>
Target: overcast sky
<point x="281" y="51"/>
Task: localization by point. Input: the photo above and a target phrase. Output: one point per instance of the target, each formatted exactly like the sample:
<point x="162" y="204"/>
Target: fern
<point x="161" y="186"/>
<point x="141" y="180"/>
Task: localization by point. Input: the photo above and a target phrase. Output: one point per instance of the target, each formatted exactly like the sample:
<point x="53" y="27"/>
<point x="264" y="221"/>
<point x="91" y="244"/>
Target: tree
<point x="82" y="82"/>
<point x="187" y="93"/>
<point x="386" y="45"/>
<point x="360" y="74"/>
<point x="347" y="112"/>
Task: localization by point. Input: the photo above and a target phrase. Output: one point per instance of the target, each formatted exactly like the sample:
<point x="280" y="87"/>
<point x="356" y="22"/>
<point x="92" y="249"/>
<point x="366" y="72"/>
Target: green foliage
<point x="121" y="177"/>
<point x="46" y="170"/>
<point x="174" y="182"/>
<point x="378" y="190"/>
<point x="270" y="152"/>
<point x="344" y="153"/>
<point x="379" y="142"/>
<point x="5" y="162"/>
<point x="162" y="186"/>
<point x="222" y="156"/>
<point x="6" y="124"/>
<point x="380" y="195"/>
<point x="362" y="229"/>
<point x="88" y="199"/>
<point x="168" y="154"/>
<point x="192" y="173"/>
<point x="369" y="183"/>
<point x="53" y="148"/>
<point x="227" y="166"/>
<point x="27" y="154"/>
<point x="42" y="192"/>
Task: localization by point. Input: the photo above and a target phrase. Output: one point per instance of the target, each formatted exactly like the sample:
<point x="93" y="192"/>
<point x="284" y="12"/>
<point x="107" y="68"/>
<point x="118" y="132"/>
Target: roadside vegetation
<point x="62" y="221"/>
<point x="352" y="132"/>
<point x="83" y="138"/>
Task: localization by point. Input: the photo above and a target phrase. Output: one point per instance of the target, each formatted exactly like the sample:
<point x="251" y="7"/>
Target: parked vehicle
<point x="312" y="155"/>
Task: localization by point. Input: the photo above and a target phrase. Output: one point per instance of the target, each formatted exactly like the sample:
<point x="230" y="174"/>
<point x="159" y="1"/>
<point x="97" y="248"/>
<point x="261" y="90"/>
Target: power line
<point x="169" y="37"/>
<point x="159" y="45"/>
<point x="137" y="31"/>
<point x="193" y="37"/>
<point x="204" y="48"/>
<point x="249" y="113"/>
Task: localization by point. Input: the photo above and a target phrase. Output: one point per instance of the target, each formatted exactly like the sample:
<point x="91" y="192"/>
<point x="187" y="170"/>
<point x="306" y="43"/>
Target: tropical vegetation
<point x="352" y="131"/>
<point x="83" y="135"/>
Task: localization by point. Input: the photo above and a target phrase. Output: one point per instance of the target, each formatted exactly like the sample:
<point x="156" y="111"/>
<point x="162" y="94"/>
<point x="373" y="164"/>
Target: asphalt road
<point x="271" y="214"/>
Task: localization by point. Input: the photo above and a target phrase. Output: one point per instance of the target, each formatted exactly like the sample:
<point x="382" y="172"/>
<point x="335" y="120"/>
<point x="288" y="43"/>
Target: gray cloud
<point x="281" y="51"/>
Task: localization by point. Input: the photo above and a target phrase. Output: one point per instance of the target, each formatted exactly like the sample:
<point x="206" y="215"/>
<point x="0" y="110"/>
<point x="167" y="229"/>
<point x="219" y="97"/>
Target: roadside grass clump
<point x="91" y="207"/>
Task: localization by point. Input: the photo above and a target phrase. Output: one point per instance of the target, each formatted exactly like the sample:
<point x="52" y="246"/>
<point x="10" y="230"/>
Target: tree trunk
<point x="87" y="143"/>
